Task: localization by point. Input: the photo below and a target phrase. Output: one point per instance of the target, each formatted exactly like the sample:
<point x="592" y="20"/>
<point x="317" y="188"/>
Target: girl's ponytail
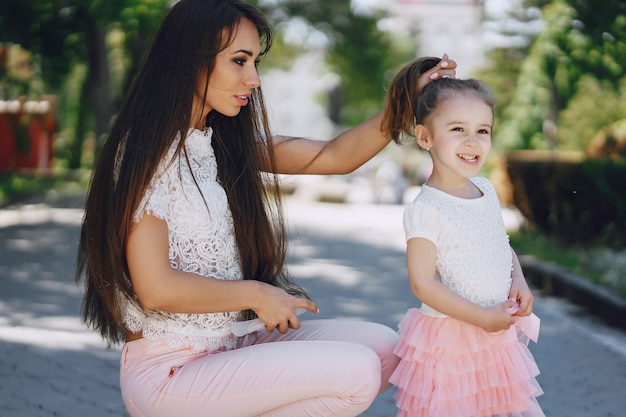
<point x="401" y="98"/>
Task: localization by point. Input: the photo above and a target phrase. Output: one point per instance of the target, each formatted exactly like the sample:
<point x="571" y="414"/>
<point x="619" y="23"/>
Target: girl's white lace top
<point x="188" y="197"/>
<point x="474" y="257"/>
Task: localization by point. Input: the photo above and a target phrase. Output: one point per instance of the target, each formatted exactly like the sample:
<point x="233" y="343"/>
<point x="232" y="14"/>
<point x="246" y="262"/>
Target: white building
<point x="451" y="26"/>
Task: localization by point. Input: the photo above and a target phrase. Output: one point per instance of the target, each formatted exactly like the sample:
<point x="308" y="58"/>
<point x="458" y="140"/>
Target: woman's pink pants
<point x="325" y="368"/>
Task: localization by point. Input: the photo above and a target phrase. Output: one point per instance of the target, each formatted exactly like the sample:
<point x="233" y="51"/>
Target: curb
<point x="557" y="281"/>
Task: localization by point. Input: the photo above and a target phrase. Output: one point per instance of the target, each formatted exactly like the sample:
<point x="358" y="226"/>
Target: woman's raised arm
<point x="349" y="150"/>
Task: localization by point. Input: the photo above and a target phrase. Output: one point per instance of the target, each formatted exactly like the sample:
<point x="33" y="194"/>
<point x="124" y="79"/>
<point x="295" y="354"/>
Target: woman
<point x="183" y="236"/>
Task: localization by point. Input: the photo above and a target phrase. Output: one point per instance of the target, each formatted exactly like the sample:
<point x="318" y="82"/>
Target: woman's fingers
<point x="445" y="68"/>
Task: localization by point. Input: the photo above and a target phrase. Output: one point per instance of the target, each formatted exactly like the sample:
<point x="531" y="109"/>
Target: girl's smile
<point x="457" y="134"/>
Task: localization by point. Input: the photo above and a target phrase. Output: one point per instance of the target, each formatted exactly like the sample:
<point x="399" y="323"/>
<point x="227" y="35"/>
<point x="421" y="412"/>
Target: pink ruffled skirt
<point x="450" y="368"/>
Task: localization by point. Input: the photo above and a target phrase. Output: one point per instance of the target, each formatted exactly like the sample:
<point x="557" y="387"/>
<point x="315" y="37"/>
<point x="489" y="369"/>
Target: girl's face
<point x="233" y="78"/>
<point x="458" y="136"/>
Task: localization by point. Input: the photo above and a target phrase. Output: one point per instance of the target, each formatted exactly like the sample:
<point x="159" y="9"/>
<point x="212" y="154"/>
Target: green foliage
<point x="358" y="52"/>
<point x="500" y="74"/>
<point x="107" y="39"/>
<point x="595" y="105"/>
<point x="599" y="265"/>
<point x="605" y="30"/>
<point x="579" y="44"/>
<point x="359" y="56"/>
<point x="65" y="35"/>
<point x="543" y="83"/>
<point x="282" y="55"/>
<point x="137" y="21"/>
<point x="24" y="22"/>
<point x="14" y="186"/>
<point x="529" y="241"/>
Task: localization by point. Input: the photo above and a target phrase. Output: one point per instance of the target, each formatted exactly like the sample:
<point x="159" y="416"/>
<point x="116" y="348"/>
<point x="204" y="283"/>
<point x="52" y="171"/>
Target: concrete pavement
<point x="350" y="258"/>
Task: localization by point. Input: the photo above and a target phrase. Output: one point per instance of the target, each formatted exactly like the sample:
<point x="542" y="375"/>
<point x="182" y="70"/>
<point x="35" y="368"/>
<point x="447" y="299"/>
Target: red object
<point x="40" y="132"/>
<point x="7" y="144"/>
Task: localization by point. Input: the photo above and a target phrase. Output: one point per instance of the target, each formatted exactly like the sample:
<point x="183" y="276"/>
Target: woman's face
<point x="233" y="78"/>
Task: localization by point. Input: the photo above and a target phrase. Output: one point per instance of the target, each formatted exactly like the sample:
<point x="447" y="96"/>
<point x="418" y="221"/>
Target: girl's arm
<point x="161" y="287"/>
<point x="421" y="265"/>
<point x="519" y="289"/>
<point x="347" y="151"/>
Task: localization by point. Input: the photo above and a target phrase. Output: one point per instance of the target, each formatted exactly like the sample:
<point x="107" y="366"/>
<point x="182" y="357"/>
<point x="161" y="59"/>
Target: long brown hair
<point x="156" y="111"/>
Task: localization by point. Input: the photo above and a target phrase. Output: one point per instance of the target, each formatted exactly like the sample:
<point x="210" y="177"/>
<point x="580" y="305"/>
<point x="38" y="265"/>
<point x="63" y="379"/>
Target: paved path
<point x="351" y="259"/>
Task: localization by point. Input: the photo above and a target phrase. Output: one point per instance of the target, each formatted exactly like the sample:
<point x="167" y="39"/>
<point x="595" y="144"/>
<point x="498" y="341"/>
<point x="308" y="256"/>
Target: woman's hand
<point x="350" y="149"/>
<point x="277" y="309"/>
<point x="446" y="68"/>
<point x="161" y="287"/>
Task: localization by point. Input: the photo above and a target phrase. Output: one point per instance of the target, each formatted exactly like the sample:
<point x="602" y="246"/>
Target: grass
<point x="530" y="242"/>
<point x="600" y="265"/>
<point x="18" y="186"/>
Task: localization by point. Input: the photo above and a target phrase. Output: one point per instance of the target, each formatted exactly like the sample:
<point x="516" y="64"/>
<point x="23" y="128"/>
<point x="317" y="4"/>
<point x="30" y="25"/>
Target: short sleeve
<point x="154" y="201"/>
<point x="158" y="198"/>
<point x="421" y="220"/>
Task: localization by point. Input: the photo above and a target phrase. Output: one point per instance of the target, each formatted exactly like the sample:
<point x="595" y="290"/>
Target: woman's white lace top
<point x="474" y="257"/>
<point x="201" y="241"/>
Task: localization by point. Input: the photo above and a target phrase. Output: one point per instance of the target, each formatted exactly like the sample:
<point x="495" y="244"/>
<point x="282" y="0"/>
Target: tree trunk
<point x="81" y="129"/>
<point x="99" y="81"/>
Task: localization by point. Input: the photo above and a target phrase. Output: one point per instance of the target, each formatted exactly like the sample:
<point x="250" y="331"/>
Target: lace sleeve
<point x="155" y="199"/>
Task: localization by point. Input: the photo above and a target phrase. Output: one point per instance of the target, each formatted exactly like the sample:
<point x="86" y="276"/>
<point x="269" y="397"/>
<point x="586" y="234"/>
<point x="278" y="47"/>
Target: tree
<point x="577" y="41"/>
<point x="596" y="105"/>
<point x="69" y="33"/>
<point x="103" y="41"/>
<point x="357" y="51"/>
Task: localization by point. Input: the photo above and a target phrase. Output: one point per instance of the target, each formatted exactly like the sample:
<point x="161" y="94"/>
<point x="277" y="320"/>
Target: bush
<point x="574" y="199"/>
<point x="609" y="142"/>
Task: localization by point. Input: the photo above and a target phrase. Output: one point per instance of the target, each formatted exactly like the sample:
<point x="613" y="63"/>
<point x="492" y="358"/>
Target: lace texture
<point x="474" y="256"/>
<point x="188" y="197"/>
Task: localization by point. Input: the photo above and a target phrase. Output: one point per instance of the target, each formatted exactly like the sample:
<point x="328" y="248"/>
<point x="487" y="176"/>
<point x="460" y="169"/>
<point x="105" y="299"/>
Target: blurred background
<point x="556" y="68"/>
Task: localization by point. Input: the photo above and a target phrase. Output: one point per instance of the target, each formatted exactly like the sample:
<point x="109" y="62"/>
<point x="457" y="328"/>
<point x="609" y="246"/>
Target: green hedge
<point x="575" y="199"/>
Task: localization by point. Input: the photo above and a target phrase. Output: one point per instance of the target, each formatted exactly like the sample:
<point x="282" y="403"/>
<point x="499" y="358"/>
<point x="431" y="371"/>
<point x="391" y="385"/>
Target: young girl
<point x="183" y="237"/>
<point x="463" y="352"/>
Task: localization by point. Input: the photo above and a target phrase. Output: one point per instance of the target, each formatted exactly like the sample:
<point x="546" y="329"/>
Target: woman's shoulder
<point x="195" y="150"/>
<point x="198" y="142"/>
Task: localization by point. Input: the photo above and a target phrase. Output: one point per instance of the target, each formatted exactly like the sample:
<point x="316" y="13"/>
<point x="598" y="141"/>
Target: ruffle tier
<point x="450" y="368"/>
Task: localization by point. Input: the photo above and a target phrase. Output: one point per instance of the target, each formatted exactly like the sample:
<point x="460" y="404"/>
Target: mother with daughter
<point x="183" y="236"/>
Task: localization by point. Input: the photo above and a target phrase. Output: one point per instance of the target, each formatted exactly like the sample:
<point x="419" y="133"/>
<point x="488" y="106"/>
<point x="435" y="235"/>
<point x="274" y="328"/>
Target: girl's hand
<point x="497" y="318"/>
<point x="277" y="309"/>
<point x="521" y="293"/>
<point x="519" y="289"/>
